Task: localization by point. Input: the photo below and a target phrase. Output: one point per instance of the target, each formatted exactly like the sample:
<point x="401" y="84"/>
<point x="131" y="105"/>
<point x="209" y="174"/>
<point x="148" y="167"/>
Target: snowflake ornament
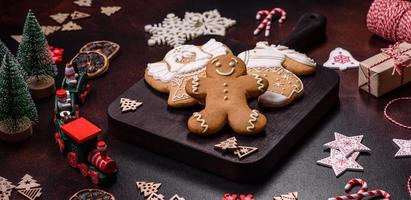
<point x="174" y="31"/>
<point x="208" y="23"/>
<point x="341" y="59"/>
<point x="340" y="163"/>
<point x="347" y="145"/>
<point x="405" y="148"/>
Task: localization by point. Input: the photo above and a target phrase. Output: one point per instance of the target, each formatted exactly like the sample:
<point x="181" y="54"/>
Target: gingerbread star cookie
<point x="284" y="87"/>
<point x="178" y="66"/>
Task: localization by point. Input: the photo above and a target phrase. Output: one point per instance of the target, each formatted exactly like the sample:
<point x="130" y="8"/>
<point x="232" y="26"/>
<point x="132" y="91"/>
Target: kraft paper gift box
<point x="377" y="75"/>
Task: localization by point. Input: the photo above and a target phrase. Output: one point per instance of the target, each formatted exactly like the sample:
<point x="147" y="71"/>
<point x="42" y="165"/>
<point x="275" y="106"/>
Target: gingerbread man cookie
<point x="180" y="64"/>
<point x="284" y="87"/>
<point x="225" y="90"/>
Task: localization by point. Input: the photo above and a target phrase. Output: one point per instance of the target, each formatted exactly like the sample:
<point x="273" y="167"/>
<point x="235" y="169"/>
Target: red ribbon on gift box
<point x="400" y="58"/>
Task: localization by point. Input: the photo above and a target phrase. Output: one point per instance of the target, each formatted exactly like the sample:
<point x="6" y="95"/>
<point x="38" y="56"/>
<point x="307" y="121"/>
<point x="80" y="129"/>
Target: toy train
<point x="77" y="137"/>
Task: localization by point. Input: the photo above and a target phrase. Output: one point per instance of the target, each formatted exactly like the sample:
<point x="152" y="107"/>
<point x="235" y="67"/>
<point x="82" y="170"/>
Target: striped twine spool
<point x="390" y="19"/>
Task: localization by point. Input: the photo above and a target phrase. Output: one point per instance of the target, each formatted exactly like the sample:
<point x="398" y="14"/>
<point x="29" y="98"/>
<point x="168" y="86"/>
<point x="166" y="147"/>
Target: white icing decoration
<point x="259" y="82"/>
<point x="253" y="118"/>
<point x="172" y="66"/>
<point x="295" y="55"/>
<point x="262" y="55"/>
<point x="208" y="23"/>
<point x="225" y="73"/>
<point x="203" y="124"/>
<point x="265" y="55"/>
<point x="194" y="84"/>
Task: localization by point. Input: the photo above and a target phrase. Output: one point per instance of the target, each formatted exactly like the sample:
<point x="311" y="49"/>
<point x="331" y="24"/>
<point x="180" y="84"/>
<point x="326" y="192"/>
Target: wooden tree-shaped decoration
<point x="148" y="188"/>
<point x="17" y="109"/>
<point x="35" y="59"/>
<point x="29" y="187"/>
<point x="5" y="188"/>
<point x="129" y="105"/>
<point x="229" y="144"/>
<point x="244" y="151"/>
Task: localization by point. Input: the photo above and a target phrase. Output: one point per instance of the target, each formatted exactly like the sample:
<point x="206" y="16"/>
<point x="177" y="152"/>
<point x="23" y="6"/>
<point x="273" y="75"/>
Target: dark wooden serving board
<point x="162" y="129"/>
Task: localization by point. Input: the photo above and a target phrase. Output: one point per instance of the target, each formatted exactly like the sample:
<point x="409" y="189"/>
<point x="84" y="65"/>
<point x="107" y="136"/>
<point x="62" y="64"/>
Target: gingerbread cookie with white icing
<point x="179" y="65"/>
<point x="225" y="90"/>
<point x="296" y="62"/>
<point x="284" y="86"/>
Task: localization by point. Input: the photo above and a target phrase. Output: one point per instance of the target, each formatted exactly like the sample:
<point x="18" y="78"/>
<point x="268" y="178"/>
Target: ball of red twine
<point x="390" y="19"/>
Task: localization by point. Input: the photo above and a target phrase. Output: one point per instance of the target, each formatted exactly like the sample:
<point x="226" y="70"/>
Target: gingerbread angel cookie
<point x="225" y="90"/>
<point x="284" y="86"/>
<point x="180" y="64"/>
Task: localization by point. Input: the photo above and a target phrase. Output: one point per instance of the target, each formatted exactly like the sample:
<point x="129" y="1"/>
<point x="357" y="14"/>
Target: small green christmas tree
<point x="16" y="105"/>
<point x="3" y="51"/>
<point x="33" y="53"/>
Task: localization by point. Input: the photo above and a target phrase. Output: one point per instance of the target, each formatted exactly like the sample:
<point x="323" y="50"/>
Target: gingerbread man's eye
<point x="216" y="63"/>
<point x="231" y="64"/>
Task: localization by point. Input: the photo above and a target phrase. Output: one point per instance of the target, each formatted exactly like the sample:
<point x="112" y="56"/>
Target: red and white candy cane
<point x="392" y="119"/>
<point x="409" y="186"/>
<point x="373" y="193"/>
<point x="356" y="181"/>
<point x="363" y="191"/>
<point x="266" y="23"/>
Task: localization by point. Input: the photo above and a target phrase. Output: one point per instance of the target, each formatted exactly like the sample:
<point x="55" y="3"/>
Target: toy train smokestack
<point x="99" y="158"/>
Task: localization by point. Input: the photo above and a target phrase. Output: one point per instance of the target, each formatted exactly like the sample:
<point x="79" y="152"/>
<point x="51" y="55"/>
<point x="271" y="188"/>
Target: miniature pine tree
<point x="33" y="53"/>
<point x="16" y="104"/>
<point x="3" y="51"/>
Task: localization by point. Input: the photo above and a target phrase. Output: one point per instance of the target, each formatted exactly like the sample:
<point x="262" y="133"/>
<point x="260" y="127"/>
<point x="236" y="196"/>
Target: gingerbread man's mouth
<point x="225" y="73"/>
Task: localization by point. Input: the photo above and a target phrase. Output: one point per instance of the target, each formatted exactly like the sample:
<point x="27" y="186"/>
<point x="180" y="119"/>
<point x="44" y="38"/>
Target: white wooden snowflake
<point x="208" y="23"/>
<point x="172" y="31"/>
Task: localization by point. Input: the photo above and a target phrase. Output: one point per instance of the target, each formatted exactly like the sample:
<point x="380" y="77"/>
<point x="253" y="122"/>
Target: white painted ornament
<point x="59" y="17"/>
<point x="71" y="26"/>
<point x="6" y="188"/>
<point x="341" y="59"/>
<point x="29" y="188"/>
<point x="347" y="145"/>
<point x="147" y="189"/>
<point x="18" y="38"/>
<point x="110" y="10"/>
<point x="155" y="196"/>
<point x="129" y="105"/>
<point x="176" y="197"/>
<point x="79" y="15"/>
<point x="83" y="3"/>
<point x="340" y="163"/>
<point x="208" y="23"/>
<point x="405" y="148"/>
<point x="174" y="31"/>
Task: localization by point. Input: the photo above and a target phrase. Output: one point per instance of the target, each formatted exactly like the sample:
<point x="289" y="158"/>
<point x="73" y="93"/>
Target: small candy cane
<point x="392" y="119"/>
<point x="356" y="181"/>
<point x="266" y="23"/>
<point x="363" y="191"/>
<point x="361" y="195"/>
<point x="409" y="185"/>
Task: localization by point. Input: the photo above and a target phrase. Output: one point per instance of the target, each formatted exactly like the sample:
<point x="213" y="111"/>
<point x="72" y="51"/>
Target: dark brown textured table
<point x="357" y="113"/>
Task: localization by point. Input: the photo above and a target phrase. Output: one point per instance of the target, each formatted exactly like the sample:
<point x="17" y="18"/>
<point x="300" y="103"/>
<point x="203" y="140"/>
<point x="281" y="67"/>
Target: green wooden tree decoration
<point x="16" y="105"/>
<point x="33" y="53"/>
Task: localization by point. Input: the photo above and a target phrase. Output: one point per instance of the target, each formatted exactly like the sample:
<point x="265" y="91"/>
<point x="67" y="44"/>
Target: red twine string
<point x="409" y="185"/>
<point x="390" y="19"/>
<point x="392" y="119"/>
